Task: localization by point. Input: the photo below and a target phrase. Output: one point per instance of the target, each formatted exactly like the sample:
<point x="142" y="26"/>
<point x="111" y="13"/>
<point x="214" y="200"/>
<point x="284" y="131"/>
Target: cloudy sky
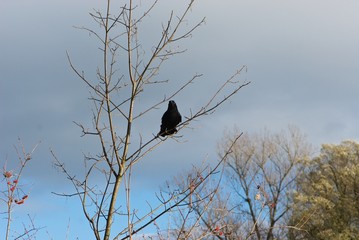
<point x="302" y="59"/>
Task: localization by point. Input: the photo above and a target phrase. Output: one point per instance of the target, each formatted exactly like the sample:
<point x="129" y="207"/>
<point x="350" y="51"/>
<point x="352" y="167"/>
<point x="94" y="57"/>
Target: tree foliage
<point x="327" y="198"/>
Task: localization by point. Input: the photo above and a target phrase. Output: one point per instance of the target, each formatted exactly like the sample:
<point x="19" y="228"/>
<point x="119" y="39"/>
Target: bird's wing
<point x="166" y="118"/>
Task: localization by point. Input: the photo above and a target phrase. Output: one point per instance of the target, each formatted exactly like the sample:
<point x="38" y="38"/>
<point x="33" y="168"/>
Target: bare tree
<point x="125" y="72"/>
<point x="256" y="197"/>
<point x="14" y="195"/>
<point x="205" y="203"/>
<point x="263" y="170"/>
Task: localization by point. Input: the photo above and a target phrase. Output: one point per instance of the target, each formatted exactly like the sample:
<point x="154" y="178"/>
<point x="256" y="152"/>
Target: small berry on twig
<point x="7" y="174"/>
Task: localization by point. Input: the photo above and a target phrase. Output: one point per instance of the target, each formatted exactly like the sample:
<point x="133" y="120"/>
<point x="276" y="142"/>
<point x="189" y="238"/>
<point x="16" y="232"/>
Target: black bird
<point x="170" y="119"/>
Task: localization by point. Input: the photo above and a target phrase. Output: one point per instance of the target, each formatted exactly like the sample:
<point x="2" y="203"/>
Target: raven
<point x="170" y="119"/>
